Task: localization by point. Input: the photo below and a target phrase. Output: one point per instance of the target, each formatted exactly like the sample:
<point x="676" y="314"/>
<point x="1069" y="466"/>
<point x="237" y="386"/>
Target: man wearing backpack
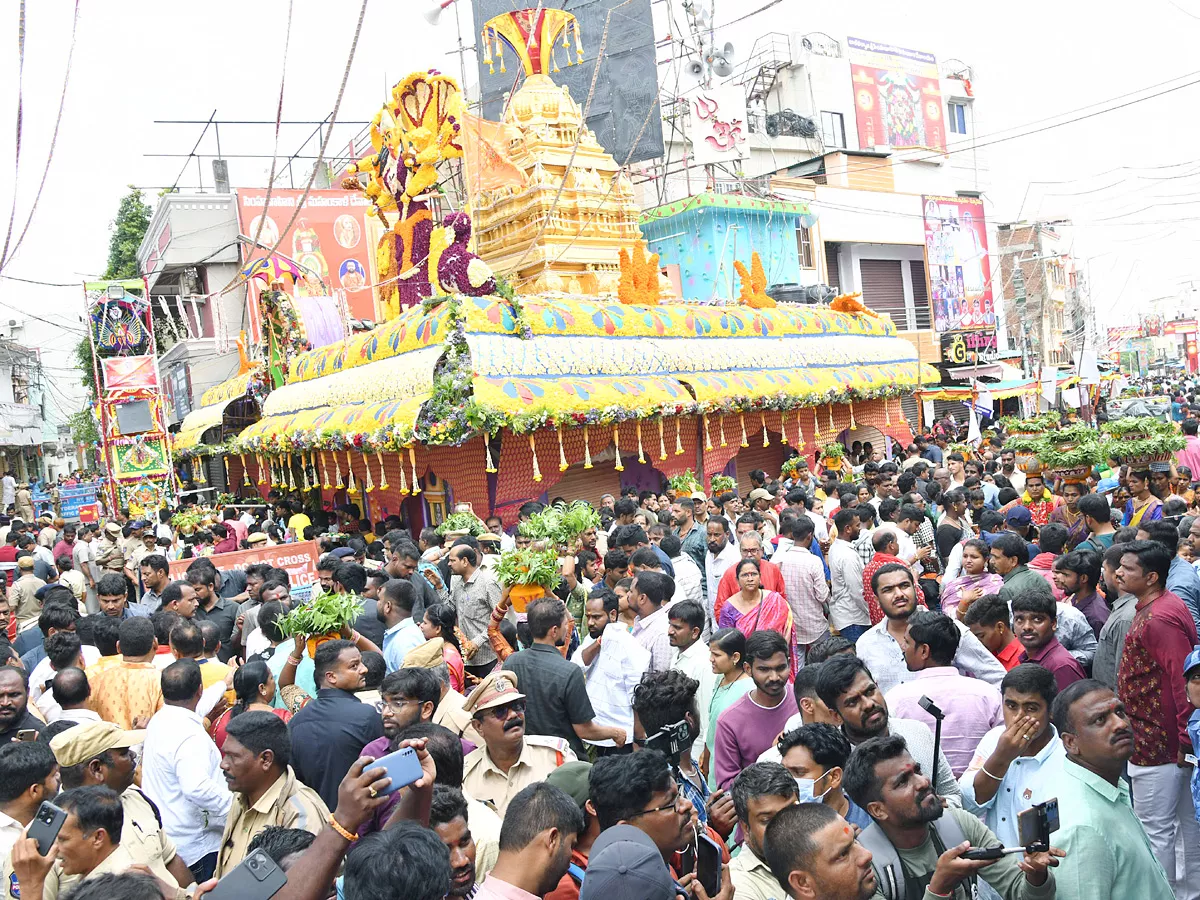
<point x="917" y="845"/>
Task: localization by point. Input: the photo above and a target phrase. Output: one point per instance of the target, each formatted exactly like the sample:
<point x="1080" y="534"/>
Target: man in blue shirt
<point x="394" y="607"/>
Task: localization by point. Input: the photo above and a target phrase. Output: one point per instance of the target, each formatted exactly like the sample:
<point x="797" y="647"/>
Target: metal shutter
<point x="756" y="456"/>
<point x="831" y="265"/>
<point x="578" y="483"/>
<point x="883" y="288"/>
<point x="920" y="294"/>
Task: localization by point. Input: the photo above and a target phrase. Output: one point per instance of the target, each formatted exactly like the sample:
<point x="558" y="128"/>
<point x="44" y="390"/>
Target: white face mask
<point x="808" y="790"/>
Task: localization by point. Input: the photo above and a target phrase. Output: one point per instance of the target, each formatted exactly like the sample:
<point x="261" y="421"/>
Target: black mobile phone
<point x="708" y="864"/>
<point x="45" y="826"/>
<point x="255" y="878"/>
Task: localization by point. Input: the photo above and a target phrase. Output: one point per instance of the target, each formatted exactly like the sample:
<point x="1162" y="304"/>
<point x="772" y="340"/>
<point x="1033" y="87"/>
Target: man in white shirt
<point x="688" y="577"/>
<point x="879" y="647"/>
<point x="721" y="555"/>
<point x="81" y="556"/>
<point x="685" y="628"/>
<point x="804" y="578"/>
<point x="181" y="771"/>
<point x="613" y="663"/>
<point x="848" y="612"/>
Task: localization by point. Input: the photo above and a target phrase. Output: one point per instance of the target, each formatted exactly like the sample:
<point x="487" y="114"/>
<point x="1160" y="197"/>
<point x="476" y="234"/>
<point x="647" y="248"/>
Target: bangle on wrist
<point x="984" y="770"/>
<point x="294" y="660"/>
<point x="336" y="826"/>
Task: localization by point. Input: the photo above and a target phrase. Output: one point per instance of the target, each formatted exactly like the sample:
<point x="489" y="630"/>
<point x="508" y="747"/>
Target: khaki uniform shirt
<point x="288" y="804"/>
<point x="751" y="878"/>
<point x="58" y="884"/>
<point x="450" y="714"/>
<point x="108" y="555"/>
<point x="143" y="837"/>
<point x="485" y="831"/>
<point x="485" y="781"/>
<point x="21" y="598"/>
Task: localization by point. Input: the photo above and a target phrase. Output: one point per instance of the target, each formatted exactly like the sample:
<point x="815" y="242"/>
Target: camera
<point x="1035" y="825"/>
<point x="671" y="740"/>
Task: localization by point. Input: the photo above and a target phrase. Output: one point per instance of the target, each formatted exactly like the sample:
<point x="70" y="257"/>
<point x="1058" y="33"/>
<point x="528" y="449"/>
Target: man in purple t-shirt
<point x="751" y="724"/>
<point x="1035" y="616"/>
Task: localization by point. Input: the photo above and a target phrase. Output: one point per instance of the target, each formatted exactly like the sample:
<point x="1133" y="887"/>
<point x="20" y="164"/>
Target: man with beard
<point x="14" y="705"/>
<point x="639" y="790"/>
<point x="329" y="733"/>
<point x="557" y="698"/>
<point x="539" y="830"/>
<point x="917" y="845"/>
<point x="814" y="854"/>
<point x="881" y="645"/>
<point x="846" y="686"/>
<point x="750" y="725"/>
<point x="1108" y="854"/>
<point x="721" y="556"/>
<point x="408" y="696"/>
<point x="691" y="535"/>
<point x="509" y="759"/>
<point x="613" y="663"/>
<point x="448" y="819"/>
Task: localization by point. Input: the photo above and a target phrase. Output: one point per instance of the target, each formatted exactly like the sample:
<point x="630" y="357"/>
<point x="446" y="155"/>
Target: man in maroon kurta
<point x="1150" y="683"/>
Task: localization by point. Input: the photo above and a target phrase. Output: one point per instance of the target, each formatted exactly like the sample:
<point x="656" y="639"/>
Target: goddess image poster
<point x="957" y="264"/>
<point x="897" y="96"/>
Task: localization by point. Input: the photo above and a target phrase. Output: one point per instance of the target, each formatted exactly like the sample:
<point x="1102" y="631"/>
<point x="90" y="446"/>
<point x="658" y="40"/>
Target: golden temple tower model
<point x="563" y="228"/>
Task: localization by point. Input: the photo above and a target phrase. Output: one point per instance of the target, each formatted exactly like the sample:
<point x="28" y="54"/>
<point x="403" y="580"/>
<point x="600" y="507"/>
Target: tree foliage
<point x="128" y="229"/>
<point x="84" y="430"/>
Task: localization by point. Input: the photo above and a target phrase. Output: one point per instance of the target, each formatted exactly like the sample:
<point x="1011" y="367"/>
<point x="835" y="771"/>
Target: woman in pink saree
<point x="961" y="591"/>
<point x="752" y="609"/>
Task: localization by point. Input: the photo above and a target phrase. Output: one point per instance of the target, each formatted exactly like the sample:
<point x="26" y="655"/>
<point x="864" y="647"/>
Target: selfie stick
<point x="930" y="707"/>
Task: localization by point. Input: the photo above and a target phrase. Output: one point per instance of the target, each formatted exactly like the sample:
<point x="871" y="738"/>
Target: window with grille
<point x="804" y="246"/>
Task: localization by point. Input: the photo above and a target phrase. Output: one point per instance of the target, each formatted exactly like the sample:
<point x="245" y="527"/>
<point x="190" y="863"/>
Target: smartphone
<point x="255" y="878"/>
<point x="45" y="826"/>
<point x="403" y="768"/>
<point x="708" y="864"/>
<point x="27" y="734"/>
<point x="1036" y="824"/>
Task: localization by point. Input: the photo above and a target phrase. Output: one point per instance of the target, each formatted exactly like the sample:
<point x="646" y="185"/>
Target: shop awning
<point x="386" y="425"/>
<point x="1002" y="390"/>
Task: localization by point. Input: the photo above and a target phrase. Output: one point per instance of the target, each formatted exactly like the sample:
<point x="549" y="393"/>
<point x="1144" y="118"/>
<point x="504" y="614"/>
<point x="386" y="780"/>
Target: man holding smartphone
<point x="30" y="777"/>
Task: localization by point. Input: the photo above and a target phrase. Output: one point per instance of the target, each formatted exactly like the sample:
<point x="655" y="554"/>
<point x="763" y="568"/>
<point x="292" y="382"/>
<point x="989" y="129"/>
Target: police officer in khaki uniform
<point x="98" y="753"/>
<point x="509" y="759"/>
<point x="255" y="760"/>
<point x="108" y="553"/>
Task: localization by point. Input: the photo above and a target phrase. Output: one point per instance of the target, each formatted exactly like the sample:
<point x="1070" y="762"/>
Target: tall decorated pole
<point x="129" y="395"/>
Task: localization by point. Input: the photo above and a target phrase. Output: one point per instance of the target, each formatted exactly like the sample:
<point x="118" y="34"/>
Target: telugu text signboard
<point x="962" y="347"/>
<point x="957" y="264"/>
<point x="300" y="560"/>
<point x="329" y="239"/>
<point x="897" y="96"/>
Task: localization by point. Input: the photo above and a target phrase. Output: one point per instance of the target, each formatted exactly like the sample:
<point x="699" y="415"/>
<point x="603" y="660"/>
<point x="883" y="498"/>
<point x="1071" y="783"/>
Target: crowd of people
<point x="827" y="684"/>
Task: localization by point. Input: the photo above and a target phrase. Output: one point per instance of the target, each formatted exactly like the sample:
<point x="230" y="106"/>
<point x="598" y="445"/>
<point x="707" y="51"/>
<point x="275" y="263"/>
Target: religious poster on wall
<point x="717" y="124"/>
<point x="328" y="241"/>
<point x="897" y="96"/>
<point x="957" y="264"/>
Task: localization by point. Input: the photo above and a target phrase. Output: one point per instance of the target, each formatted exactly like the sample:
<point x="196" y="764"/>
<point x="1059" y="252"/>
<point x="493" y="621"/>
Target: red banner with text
<point x="300" y="560"/>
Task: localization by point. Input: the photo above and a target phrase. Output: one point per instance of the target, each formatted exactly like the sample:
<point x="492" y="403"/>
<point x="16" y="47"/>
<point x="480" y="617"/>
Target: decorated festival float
<point x="555" y="362"/>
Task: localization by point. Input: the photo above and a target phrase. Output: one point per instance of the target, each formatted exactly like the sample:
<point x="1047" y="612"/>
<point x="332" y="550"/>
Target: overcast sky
<point x="1130" y="179"/>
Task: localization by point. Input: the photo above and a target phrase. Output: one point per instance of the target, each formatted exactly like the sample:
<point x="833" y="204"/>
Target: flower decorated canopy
<point x="440" y="373"/>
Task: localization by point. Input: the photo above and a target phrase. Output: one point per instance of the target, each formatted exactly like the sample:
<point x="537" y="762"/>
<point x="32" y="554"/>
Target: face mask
<point x="807" y="788"/>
